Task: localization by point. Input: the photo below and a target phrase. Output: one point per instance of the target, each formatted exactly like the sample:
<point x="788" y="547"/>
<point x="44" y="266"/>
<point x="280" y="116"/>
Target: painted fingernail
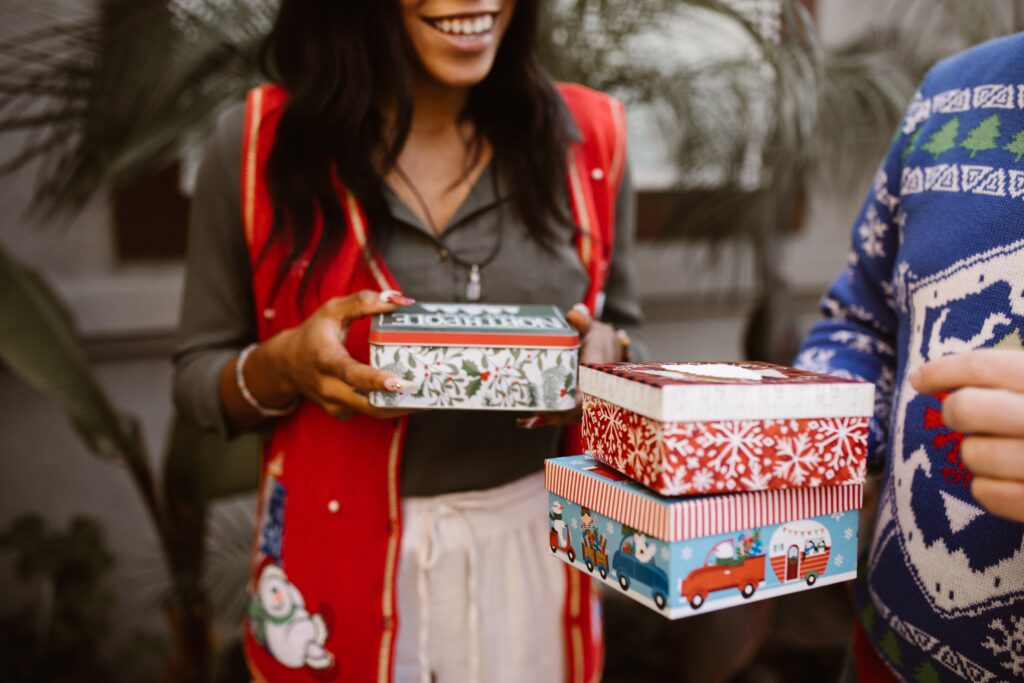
<point x="396" y="385"/>
<point x="532" y="422"/>
<point x="582" y="308"/>
<point x="392" y="296"/>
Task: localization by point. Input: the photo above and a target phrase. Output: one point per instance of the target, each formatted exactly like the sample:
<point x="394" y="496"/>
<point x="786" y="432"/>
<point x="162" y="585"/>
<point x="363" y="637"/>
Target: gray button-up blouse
<point x="446" y="451"/>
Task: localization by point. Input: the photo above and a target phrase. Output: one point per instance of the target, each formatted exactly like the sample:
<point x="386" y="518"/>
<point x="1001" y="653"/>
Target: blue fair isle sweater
<point x="937" y="267"/>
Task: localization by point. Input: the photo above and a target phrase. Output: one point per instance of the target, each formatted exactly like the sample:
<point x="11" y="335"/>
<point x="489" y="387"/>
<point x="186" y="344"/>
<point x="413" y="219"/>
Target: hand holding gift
<point x="599" y="343"/>
<point x="311" y="361"/>
<point x="987" y="404"/>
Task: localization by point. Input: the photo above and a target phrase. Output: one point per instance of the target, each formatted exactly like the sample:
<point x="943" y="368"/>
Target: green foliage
<point x="62" y="632"/>
<point x="890" y="646"/>
<point x="911" y="143"/>
<point x="983" y="136"/>
<point x="926" y="673"/>
<point x="867" y="618"/>
<point x="38" y="344"/>
<point x="1016" y="145"/>
<point x="943" y="139"/>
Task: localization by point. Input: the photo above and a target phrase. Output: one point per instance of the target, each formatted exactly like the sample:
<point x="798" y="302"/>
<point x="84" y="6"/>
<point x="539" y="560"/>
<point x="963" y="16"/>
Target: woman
<point x="414" y="143"/>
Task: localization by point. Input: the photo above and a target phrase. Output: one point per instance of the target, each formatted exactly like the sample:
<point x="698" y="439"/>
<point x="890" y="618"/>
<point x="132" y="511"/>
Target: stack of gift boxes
<point x="707" y="485"/>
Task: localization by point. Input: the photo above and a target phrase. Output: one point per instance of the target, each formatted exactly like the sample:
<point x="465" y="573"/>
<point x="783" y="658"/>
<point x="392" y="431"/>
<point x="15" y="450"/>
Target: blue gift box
<point x="688" y="555"/>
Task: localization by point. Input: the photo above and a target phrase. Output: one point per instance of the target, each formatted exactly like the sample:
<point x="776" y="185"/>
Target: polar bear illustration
<point x="645" y="550"/>
<point x="280" y="622"/>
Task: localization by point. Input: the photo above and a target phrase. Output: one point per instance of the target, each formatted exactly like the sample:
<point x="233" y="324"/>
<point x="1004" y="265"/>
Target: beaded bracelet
<point x="247" y="395"/>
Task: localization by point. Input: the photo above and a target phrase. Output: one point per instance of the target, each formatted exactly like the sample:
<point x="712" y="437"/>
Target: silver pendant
<point x="473" y="287"/>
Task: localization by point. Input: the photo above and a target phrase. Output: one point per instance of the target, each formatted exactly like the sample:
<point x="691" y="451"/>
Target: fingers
<point x="364" y="303"/>
<point x="342" y="401"/>
<point x="338" y="365"/>
<point x="994" y="412"/>
<point x="579" y="317"/>
<point x="990" y="456"/>
<point x="1000" y="497"/>
<point x="994" y="368"/>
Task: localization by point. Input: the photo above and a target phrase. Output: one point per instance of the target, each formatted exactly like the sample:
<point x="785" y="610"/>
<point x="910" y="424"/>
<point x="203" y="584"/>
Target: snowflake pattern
<point x="848" y="534"/>
<point x="796" y="459"/>
<point x="686" y="553"/>
<point x="1010" y="643"/>
<point x="872" y="233"/>
<point x="664" y="554"/>
<point x="838" y="516"/>
<point x="610" y="528"/>
<point x="677" y="458"/>
<point x="816" y="359"/>
<point x="838" y="561"/>
<point x="575" y="523"/>
<point x="865" y="343"/>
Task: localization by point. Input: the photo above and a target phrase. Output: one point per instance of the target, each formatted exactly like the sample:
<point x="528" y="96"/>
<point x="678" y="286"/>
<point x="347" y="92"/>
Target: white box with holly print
<point x="477" y="357"/>
<point x="698" y="428"/>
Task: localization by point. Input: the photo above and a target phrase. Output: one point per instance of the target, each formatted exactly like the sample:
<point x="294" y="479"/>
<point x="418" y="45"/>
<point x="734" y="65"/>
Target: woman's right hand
<point x="310" y="361"/>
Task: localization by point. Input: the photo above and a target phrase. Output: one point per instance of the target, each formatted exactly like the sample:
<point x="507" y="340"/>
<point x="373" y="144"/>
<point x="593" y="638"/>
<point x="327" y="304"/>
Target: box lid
<point x="587" y="482"/>
<point x="432" y="324"/>
<point x="697" y="392"/>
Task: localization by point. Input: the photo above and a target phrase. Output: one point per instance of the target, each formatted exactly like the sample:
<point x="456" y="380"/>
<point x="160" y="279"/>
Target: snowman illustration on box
<point x="559" y="537"/>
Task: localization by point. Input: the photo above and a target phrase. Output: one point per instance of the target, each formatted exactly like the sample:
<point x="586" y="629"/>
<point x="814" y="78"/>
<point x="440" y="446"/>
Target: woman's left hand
<point x="987" y="404"/>
<point x="599" y="343"/>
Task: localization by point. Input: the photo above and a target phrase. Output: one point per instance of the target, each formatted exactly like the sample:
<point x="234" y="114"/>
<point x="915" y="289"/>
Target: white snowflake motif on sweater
<point x="872" y="234"/>
<point x="1008" y="641"/>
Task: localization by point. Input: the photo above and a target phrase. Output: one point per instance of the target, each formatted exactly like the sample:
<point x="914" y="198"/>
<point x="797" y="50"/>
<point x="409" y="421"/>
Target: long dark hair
<point x="340" y="61"/>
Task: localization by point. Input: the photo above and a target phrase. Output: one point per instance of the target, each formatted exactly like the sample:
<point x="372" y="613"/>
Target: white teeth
<point x="466" y="27"/>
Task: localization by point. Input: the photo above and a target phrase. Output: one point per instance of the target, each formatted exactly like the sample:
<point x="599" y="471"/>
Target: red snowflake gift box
<point x="697" y="428"/>
<point x="688" y="555"/>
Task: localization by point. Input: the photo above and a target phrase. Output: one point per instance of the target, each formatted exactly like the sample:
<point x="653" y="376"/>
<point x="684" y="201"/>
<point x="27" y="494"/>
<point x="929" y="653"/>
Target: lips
<point x="466" y="26"/>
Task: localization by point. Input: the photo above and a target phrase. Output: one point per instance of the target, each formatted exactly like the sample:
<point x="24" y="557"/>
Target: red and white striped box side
<point x="677" y="520"/>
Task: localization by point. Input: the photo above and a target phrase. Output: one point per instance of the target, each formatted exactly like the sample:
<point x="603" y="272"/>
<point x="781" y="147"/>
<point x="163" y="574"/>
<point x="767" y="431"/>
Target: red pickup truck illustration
<point x="726" y="566"/>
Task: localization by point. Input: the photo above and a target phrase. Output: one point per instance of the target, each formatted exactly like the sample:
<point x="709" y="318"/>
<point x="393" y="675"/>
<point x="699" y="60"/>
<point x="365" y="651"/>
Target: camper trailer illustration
<point x="799" y="551"/>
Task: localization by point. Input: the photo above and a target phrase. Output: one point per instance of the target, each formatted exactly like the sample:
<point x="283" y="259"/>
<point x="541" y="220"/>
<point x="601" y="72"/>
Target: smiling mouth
<point x="464" y="26"/>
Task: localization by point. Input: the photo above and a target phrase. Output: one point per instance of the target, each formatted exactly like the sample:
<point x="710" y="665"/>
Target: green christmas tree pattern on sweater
<point x="983" y="136"/>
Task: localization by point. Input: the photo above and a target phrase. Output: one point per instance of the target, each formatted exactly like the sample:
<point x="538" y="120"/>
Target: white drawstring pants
<point x="480" y="599"/>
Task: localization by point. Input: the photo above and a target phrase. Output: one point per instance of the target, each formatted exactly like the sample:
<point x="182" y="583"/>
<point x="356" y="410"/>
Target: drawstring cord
<point x="427" y="556"/>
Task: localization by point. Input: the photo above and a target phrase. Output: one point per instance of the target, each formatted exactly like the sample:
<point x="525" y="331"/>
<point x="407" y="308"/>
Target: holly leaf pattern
<point x="479" y="377"/>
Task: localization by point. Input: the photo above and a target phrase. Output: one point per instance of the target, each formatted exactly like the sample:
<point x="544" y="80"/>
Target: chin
<point x="460" y="75"/>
